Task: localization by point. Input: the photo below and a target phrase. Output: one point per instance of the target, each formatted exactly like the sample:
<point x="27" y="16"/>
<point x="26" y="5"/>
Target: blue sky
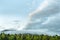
<point x="17" y="7"/>
<point x="11" y="10"/>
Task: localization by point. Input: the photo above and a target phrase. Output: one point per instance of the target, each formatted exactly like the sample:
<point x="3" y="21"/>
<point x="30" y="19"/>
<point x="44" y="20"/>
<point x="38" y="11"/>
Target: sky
<point x="15" y="13"/>
<point x="46" y="18"/>
<point x="32" y="15"/>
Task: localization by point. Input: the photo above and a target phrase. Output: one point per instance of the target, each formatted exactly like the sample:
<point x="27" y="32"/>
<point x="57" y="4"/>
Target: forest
<point x="27" y="36"/>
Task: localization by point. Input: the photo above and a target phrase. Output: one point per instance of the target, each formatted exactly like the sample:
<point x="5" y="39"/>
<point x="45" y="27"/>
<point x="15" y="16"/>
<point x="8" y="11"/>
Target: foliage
<point x="4" y="36"/>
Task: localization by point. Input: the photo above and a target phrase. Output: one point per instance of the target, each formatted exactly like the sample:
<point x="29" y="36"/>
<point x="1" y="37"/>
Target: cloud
<point x="9" y="22"/>
<point x="46" y="16"/>
<point x="43" y="5"/>
<point x="46" y="9"/>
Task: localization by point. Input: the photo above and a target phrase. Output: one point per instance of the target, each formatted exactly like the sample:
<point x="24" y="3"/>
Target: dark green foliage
<point x="27" y="37"/>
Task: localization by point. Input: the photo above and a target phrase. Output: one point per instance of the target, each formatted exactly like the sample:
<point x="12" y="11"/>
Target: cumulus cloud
<point x="46" y="16"/>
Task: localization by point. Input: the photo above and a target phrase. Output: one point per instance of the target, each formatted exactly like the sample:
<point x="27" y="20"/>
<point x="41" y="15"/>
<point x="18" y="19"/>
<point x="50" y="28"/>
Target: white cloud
<point x="9" y="22"/>
<point x="45" y="9"/>
<point x="43" y="5"/>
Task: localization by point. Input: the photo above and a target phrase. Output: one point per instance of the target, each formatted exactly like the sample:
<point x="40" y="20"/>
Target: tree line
<point x="4" y="36"/>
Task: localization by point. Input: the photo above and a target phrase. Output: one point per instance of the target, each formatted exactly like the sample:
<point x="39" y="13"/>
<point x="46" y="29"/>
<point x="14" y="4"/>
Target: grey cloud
<point x="52" y="10"/>
<point x="48" y="11"/>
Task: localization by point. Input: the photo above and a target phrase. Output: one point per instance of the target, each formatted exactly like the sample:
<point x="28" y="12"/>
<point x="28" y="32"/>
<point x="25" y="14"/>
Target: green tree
<point x="11" y="37"/>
